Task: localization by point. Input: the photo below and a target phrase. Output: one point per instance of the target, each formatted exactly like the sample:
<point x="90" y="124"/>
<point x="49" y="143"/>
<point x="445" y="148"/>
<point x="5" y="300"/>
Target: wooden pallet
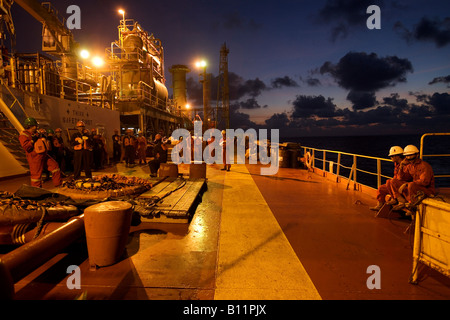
<point x="179" y="200"/>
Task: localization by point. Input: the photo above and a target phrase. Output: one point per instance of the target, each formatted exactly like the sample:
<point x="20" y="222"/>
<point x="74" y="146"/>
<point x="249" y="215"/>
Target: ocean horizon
<point x="378" y="146"/>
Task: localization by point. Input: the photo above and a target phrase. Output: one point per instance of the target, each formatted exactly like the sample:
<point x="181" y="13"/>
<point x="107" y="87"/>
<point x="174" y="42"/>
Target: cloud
<point x="318" y="115"/>
<point x="277" y="120"/>
<point x="379" y="73"/>
<point x="362" y="100"/>
<point x="234" y="20"/>
<point x="394" y="101"/>
<point x="313" y="82"/>
<point x="367" y="72"/>
<point x="248" y="104"/>
<point x="431" y="30"/>
<point x="440" y="102"/>
<point x="308" y="106"/>
<point x="285" y="81"/>
<point x="441" y="79"/>
<point x="344" y="15"/>
<point x="238" y="88"/>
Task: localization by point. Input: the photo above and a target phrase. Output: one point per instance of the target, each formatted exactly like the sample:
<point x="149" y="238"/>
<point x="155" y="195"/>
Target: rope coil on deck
<point x="105" y="186"/>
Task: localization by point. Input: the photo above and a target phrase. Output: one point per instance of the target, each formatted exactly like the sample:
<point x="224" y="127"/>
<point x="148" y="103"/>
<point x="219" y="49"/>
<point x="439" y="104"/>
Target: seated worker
<point x="396" y="154"/>
<point x="160" y="154"/>
<point x="422" y="179"/>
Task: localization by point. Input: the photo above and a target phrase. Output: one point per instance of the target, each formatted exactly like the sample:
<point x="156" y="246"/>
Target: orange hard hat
<point x="80" y="124"/>
<point x="58" y="130"/>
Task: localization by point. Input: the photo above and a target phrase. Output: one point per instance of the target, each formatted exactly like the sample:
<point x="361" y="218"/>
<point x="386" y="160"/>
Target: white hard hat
<point x="396" y="150"/>
<point x="409" y="150"/>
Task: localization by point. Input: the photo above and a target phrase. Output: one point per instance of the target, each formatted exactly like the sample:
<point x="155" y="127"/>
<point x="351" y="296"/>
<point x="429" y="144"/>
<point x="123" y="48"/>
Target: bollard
<point x="168" y="170"/>
<point x="197" y="170"/>
<point x="107" y="225"/>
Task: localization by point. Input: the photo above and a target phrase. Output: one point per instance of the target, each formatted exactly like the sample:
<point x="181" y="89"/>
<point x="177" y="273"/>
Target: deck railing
<point x="329" y="162"/>
<point x="337" y="162"/>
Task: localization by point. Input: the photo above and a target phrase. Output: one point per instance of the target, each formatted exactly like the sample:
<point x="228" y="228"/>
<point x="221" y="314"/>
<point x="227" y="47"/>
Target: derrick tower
<point x="223" y="92"/>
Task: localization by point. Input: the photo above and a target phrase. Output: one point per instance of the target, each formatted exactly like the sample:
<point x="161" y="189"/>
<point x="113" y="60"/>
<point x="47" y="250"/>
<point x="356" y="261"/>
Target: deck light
<point x="98" y="62"/>
<point x="84" y="54"/>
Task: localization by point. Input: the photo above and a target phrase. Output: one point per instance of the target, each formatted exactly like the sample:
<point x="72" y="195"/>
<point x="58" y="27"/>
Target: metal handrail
<point x="434" y="155"/>
<point x="354" y="169"/>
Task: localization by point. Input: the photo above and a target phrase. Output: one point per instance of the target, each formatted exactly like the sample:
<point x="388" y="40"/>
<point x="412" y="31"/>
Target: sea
<point x="378" y="146"/>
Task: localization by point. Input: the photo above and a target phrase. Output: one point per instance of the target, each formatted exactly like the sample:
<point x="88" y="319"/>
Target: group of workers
<point x="129" y="147"/>
<point x="46" y="151"/>
<point x="413" y="180"/>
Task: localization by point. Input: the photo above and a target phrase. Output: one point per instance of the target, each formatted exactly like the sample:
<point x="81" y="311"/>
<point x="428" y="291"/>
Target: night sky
<point x="304" y="67"/>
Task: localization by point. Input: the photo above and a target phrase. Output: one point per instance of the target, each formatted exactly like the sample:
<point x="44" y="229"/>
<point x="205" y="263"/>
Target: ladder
<point x="9" y="137"/>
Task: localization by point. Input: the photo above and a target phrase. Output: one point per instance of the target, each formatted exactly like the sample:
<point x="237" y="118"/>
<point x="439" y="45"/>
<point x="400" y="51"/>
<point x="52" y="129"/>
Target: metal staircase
<point x="10" y="127"/>
<point x="9" y="137"/>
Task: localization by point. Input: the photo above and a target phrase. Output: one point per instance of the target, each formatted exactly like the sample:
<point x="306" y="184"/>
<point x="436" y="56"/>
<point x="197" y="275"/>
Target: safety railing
<point x="354" y="164"/>
<point x="435" y="155"/>
<point x="344" y="161"/>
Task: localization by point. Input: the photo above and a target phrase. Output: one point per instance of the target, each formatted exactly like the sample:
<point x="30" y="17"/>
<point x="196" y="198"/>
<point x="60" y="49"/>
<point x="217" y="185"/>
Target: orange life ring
<point x="308" y="159"/>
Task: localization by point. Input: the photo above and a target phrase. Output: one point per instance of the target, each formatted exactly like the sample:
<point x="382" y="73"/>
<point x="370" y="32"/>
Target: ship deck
<point x="291" y="236"/>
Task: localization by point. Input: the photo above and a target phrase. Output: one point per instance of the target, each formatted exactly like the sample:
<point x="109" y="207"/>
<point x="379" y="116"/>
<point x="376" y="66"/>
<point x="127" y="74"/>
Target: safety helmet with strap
<point x="396" y="150"/>
<point x="410" y="150"/>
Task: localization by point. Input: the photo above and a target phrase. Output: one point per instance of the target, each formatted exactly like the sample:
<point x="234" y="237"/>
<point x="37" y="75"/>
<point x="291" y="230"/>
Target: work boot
<point x="377" y="207"/>
<point x="392" y="202"/>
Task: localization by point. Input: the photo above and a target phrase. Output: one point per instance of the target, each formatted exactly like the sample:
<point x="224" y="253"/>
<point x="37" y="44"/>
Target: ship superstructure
<point x="58" y="89"/>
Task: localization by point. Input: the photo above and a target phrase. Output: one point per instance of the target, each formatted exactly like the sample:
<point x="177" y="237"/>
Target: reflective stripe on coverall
<point x="38" y="161"/>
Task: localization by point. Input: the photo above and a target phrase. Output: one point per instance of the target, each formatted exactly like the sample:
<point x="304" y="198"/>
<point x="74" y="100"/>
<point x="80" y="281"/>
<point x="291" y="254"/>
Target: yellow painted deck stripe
<point x="255" y="259"/>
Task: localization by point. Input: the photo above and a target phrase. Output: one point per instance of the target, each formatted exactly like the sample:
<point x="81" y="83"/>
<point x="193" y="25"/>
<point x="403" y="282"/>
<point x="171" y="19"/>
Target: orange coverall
<point x="400" y="175"/>
<point x="422" y="180"/>
<point x="38" y="161"/>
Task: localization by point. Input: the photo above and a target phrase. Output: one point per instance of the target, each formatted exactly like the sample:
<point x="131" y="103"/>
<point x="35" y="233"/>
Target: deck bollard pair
<point x="197" y="170"/>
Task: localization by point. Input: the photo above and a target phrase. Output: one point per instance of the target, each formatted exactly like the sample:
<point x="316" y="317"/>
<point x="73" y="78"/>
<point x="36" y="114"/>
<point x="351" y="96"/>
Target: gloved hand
<point x="79" y="140"/>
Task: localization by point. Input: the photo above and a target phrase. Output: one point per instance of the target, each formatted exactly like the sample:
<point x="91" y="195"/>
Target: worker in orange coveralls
<point x="142" y="148"/>
<point x="37" y="156"/>
<point x="396" y="155"/>
<point x="225" y="157"/>
<point x="422" y="179"/>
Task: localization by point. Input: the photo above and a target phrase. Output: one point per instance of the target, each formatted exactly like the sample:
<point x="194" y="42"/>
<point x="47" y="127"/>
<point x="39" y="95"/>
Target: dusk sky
<point x="304" y="67"/>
